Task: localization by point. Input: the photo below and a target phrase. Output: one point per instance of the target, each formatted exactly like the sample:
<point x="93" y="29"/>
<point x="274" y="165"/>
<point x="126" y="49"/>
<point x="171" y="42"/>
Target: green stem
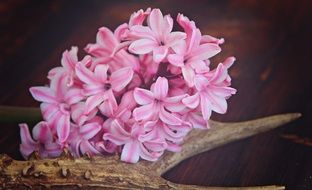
<point x="11" y="114"/>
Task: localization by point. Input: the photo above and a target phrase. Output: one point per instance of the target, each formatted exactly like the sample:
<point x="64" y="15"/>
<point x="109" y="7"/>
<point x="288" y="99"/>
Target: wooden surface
<point x="271" y="40"/>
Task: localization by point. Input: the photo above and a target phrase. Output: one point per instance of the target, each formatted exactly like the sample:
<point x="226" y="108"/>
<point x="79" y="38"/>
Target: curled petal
<point x="69" y="58"/>
<point x="143" y="96"/>
<point x="28" y="145"/>
<point x="176" y="60"/>
<point x="42" y="132"/>
<point x="100" y="72"/>
<point x="142" y="46"/>
<point x="159" y="53"/>
<point x="143" y="112"/>
<point x="48" y="110"/>
<point x="155" y="21"/>
<point x="85" y="74"/>
<point x="205" y="51"/>
<point x="200" y="82"/>
<point x="106" y="38"/>
<point x="74" y="95"/>
<point x="160" y="89"/>
<point x="121" y="78"/>
<point x="188" y="75"/>
<point x="147" y="155"/>
<point x="93" y="101"/>
<point x="43" y="94"/>
<point x="191" y="101"/>
<point x="218" y="103"/>
<point x="169" y="118"/>
<point x="131" y="152"/>
<point x="63" y="128"/>
<point x="89" y="130"/>
<point x="205" y="106"/>
<point x="87" y="147"/>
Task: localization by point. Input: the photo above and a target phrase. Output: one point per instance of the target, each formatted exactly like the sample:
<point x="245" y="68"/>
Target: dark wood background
<point x="271" y="40"/>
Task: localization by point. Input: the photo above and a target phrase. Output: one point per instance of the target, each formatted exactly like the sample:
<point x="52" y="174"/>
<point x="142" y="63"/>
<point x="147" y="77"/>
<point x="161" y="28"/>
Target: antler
<point x="111" y="173"/>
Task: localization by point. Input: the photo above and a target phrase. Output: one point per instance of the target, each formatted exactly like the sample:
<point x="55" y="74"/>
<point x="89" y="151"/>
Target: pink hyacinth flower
<point x="80" y="136"/>
<point x="156" y="37"/>
<point x="56" y="103"/>
<point x="42" y="142"/>
<point x="212" y="92"/>
<point x="98" y="87"/>
<point x="193" y="54"/>
<point x="155" y="103"/>
<point x="134" y="148"/>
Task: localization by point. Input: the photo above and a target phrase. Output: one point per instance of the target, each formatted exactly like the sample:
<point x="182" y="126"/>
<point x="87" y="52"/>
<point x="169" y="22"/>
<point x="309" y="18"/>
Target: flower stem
<point x="11" y="114"/>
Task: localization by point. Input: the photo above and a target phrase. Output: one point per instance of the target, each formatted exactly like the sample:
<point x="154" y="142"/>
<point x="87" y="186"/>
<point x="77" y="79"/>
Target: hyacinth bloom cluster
<point x="138" y="92"/>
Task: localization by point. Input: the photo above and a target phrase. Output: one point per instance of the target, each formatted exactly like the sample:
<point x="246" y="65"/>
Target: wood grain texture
<point x="271" y="40"/>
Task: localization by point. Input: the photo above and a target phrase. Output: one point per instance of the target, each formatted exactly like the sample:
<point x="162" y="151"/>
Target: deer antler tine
<point x="199" y="141"/>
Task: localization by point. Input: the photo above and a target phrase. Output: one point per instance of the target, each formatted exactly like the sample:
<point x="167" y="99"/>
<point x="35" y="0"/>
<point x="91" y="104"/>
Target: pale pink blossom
<point x="98" y="87"/>
<point x="156" y="37"/>
<point x="134" y="147"/>
<point x="193" y="55"/>
<point x="42" y="141"/>
<point x="155" y="103"/>
<point x="56" y="104"/>
<point x="212" y="92"/>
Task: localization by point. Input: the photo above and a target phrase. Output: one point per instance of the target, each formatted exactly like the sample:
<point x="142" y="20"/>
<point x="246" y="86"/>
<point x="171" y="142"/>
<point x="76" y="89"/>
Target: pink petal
<point x="93" y="101"/>
<point x="59" y="84"/>
<point x="143" y="96"/>
<point x="229" y="62"/>
<point x="121" y="78"/>
<point x="142" y="46"/>
<point x="174" y="38"/>
<point x="92" y="89"/>
<point x="147" y="155"/>
<point x="131" y="152"/>
<point x="141" y="32"/>
<point x="188" y="75"/>
<point x="74" y="95"/>
<point x="143" y="112"/>
<point x="137" y="18"/>
<point x="156" y="145"/>
<point x="42" y="132"/>
<point x="160" y="89"/>
<point x="169" y="118"/>
<point x="43" y="94"/>
<point x="197" y="121"/>
<point x="100" y="72"/>
<point x="53" y="149"/>
<point x="89" y="130"/>
<point x="176" y="60"/>
<point x="200" y="82"/>
<point x="63" y="128"/>
<point x="25" y="135"/>
<point x="173" y="147"/>
<point x="128" y="101"/>
<point x="220" y="74"/>
<point x="205" y="106"/>
<point x="205" y="51"/>
<point x="199" y="66"/>
<point x="109" y="106"/>
<point x="48" y="110"/>
<point x="87" y="147"/>
<point x="159" y="53"/>
<point x="191" y="101"/>
<point x="167" y="25"/>
<point x="174" y="104"/>
<point x="69" y="58"/>
<point x="106" y="38"/>
<point x="218" y="103"/>
<point x="155" y="22"/>
<point x="84" y="74"/>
